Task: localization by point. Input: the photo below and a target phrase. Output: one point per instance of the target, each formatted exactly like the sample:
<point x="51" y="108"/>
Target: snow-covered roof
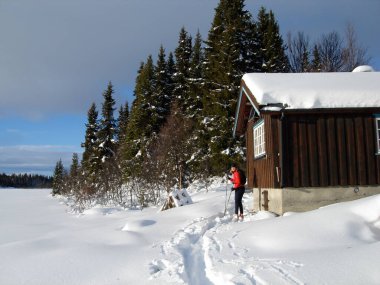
<point x="316" y="90"/>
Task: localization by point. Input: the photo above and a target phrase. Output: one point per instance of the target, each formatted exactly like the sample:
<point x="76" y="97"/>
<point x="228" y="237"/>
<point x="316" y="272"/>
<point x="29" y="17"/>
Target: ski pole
<point x="225" y="199"/>
<point x="225" y="209"/>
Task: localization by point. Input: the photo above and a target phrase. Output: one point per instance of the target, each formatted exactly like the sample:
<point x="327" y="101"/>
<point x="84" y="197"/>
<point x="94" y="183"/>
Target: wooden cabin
<point x="312" y="138"/>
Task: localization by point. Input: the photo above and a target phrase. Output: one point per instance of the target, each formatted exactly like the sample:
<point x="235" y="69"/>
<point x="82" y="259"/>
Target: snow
<point x="364" y="68"/>
<point x="316" y="90"/>
<point x="181" y="197"/>
<point x="41" y="242"/>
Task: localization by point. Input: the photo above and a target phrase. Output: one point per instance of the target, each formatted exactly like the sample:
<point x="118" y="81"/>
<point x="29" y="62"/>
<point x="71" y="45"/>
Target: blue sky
<point x="57" y="57"/>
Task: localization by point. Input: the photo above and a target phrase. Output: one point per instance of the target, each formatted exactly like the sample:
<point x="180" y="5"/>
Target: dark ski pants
<point x="239" y="192"/>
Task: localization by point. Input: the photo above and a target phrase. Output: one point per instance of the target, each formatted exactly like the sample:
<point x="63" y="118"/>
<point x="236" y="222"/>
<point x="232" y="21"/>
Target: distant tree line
<point x="25" y="181"/>
<point x="179" y="126"/>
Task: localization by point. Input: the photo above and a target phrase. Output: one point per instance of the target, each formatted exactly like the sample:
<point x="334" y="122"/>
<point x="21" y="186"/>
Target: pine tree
<point x="227" y="58"/>
<point x="90" y="158"/>
<point x="122" y="123"/>
<point x="316" y="65"/>
<point x="171" y="71"/>
<point x="196" y="79"/>
<point x="107" y="126"/>
<point x="273" y="54"/>
<point x="161" y="98"/>
<point x="139" y="127"/>
<point x="181" y="77"/>
<point x="74" y="178"/>
<point x="59" y="179"/>
<point x="74" y="168"/>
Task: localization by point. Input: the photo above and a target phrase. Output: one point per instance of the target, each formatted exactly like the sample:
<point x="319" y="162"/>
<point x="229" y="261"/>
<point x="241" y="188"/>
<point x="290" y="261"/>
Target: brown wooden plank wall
<point x="262" y="171"/>
<point x="327" y="150"/>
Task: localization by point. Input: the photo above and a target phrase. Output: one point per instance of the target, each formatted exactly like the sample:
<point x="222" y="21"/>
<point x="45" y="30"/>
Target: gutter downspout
<point x="282" y="149"/>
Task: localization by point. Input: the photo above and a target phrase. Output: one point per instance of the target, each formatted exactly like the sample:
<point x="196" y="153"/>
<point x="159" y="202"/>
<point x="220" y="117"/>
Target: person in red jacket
<point x="239" y="189"/>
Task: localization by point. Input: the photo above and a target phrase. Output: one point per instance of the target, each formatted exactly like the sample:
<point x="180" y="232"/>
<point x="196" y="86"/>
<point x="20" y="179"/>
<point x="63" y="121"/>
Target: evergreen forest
<point x="179" y="126"/>
<point x="25" y="181"/>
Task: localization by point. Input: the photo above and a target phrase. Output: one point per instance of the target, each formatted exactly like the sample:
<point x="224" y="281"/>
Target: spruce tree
<point x="196" y="79"/>
<point x="170" y="70"/>
<point x="316" y="64"/>
<point x="59" y="179"/>
<point x="181" y="77"/>
<point x="161" y="98"/>
<point x="273" y="54"/>
<point x="139" y="127"/>
<point x="107" y="126"/>
<point x="74" y="174"/>
<point x="122" y="123"/>
<point x="74" y="168"/>
<point x="227" y="58"/>
<point x="90" y="158"/>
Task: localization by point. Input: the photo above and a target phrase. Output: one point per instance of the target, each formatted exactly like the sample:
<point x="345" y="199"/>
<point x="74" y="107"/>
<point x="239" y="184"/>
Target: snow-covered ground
<point x="42" y="243"/>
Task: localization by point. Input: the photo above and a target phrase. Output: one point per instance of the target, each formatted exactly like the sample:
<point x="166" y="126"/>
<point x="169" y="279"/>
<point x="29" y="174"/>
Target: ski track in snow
<point x="195" y="256"/>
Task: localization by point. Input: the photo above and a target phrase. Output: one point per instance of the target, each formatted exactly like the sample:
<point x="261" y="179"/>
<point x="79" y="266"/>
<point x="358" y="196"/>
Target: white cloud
<point x="34" y="158"/>
<point x="58" y="56"/>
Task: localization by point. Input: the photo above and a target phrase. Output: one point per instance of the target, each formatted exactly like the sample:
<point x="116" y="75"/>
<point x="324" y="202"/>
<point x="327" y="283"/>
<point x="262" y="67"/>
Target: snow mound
<point x="262" y="215"/>
<point x="364" y="68"/>
<point x="101" y="210"/>
<point x="136" y="225"/>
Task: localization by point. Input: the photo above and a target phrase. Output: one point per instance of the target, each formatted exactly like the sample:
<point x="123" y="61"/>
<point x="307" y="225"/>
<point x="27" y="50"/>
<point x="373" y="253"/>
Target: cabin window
<point x="259" y="139"/>
<point x="377" y="121"/>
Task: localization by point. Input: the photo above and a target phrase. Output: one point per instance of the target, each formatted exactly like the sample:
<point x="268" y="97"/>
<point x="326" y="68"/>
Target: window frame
<point x="377" y="129"/>
<point x="259" y="150"/>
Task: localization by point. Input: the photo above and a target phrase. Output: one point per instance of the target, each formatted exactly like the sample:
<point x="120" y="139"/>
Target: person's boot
<point x="241" y="217"/>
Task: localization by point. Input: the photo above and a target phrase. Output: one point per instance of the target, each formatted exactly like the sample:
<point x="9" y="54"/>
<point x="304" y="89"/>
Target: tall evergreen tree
<point x="74" y="168"/>
<point x="59" y="178"/>
<point x="181" y="77"/>
<point x="140" y="126"/>
<point x="107" y="126"/>
<point x="316" y="62"/>
<point x="170" y="70"/>
<point x="161" y="97"/>
<point x="122" y="123"/>
<point x="90" y="158"/>
<point x="273" y="54"/>
<point x="196" y="78"/>
<point x="227" y="58"/>
<point x="74" y="178"/>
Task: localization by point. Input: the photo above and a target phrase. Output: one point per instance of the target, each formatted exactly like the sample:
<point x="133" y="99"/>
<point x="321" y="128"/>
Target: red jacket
<point x="236" y="179"/>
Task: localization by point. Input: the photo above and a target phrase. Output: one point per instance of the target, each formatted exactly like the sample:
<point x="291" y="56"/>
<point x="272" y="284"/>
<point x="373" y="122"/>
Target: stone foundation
<point x="280" y="201"/>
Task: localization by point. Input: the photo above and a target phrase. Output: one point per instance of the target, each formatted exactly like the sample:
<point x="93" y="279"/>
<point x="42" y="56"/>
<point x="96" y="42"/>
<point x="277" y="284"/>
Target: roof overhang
<point x="246" y="103"/>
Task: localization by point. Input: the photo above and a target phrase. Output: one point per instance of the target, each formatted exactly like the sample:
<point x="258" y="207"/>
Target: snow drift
<point x="41" y="243"/>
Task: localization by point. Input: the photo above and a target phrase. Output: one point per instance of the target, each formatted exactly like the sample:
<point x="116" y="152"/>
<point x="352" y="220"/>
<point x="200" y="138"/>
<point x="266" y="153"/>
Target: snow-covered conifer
<point x="58" y="178"/>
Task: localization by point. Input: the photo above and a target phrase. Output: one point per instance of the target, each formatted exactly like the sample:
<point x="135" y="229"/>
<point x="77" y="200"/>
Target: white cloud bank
<point x="39" y="159"/>
<point x="58" y="56"/>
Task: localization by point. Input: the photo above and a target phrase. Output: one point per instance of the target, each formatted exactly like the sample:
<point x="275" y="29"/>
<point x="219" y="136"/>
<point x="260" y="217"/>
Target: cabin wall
<point x="264" y="171"/>
<point x="322" y="150"/>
